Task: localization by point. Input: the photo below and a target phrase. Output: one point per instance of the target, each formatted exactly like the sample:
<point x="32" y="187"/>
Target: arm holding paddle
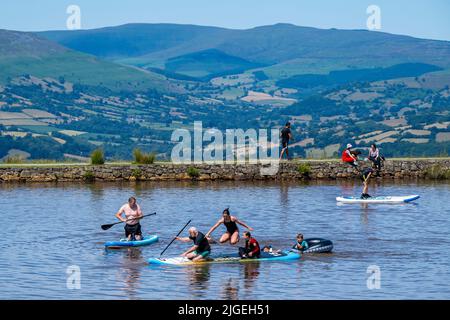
<point x="183" y="239"/>
<point x="122" y="220"/>
<point x="175" y="238"/>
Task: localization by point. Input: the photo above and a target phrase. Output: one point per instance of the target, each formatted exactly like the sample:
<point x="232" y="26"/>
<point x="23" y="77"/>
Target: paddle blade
<point x="107" y="226"/>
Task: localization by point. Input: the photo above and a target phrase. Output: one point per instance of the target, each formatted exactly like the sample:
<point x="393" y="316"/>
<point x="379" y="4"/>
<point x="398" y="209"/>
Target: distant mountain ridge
<point x="266" y="44"/>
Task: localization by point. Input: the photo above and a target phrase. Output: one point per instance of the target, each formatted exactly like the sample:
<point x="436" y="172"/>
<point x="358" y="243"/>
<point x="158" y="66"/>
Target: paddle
<point x="107" y="226"/>
<point x="174" y="238"/>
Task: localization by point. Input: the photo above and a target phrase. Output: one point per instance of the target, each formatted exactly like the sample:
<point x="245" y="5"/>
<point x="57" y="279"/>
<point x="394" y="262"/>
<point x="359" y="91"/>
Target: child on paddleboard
<point x="365" y="176"/>
<point x="251" y="249"/>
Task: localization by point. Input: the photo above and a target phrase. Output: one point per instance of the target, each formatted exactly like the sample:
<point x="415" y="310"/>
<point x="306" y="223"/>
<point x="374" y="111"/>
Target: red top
<point x="346" y="156"/>
<point x="253" y="245"/>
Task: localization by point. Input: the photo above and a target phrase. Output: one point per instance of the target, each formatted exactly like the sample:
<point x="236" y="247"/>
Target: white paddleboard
<point x="379" y="199"/>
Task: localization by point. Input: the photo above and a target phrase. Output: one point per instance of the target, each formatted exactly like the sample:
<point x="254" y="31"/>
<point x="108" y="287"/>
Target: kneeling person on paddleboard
<point x="365" y="176"/>
<point x="132" y="213"/>
<point x="201" y="248"/>
<point x="251" y="249"/>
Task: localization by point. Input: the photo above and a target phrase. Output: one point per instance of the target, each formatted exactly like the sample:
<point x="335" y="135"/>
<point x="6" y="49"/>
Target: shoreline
<point x="332" y="169"/>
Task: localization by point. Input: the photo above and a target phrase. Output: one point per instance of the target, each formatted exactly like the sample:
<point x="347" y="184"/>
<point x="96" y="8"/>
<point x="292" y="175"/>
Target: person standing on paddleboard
<point x="201" y="248"/>
<point x="285" y="135"/>
<point x="132" y="213"/>
<point x="230" y="222"/>
<point x="365" y="176"/>
<point x="251" y="249"/>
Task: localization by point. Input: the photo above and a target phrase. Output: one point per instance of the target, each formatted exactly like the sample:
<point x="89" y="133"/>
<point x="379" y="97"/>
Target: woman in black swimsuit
<point x="230" y="222"/>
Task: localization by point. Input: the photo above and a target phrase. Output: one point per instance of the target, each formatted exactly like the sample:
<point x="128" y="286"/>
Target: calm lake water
<point x="49" y="227"/>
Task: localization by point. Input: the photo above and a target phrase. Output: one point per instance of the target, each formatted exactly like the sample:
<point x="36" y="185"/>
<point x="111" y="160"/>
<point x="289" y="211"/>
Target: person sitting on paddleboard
<point x="251" y="249"/>
<point x="201" y="248"/>
<point x="348" y="157"/>
<point x="269" y="249"/>
<point x="301" y="244"/>
<point x="230" y="222"/>
<point x="365" y="176"/>
<point x="132" y="213"/>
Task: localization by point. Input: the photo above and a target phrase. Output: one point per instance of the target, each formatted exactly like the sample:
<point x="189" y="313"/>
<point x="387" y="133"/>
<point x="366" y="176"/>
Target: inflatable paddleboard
<point x="123" y="243"/>
<point x="183" y="261"/>
<point x="380" y="199"/>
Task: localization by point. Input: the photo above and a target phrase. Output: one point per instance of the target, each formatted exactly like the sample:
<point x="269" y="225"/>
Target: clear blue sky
<point x="419" y="18"/>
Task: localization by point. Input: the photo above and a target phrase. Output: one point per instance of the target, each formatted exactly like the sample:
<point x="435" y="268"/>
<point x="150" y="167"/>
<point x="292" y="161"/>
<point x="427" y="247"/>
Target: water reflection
<point x="251" y="273"/>
<point x="130" y="271"/>
<point x="230" y="289"/>
<point x="199" y="277"/>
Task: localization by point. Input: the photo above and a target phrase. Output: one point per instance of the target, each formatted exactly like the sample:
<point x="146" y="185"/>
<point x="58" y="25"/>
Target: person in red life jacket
<point x="349" y="157"/>
<point x="251" y="249"/>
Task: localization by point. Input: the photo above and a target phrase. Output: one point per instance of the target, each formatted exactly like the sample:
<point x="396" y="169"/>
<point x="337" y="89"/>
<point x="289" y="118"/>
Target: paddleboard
<point x="183" y="261"/>
<point x="124" y="243"/>
<point x="379" y="199"/>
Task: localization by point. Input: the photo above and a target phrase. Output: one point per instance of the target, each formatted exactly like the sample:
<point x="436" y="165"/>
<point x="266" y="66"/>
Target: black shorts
<point x="243" y="252"/>
<point x="284" y="144"/>
<point x="133" y="230"/>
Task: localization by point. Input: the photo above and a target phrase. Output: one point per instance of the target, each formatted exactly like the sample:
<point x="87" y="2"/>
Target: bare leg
<point x="191" y="256"/>
<point x="225" y="237"/>
<point x="366" y="187"/>
<point x="138" y="237"/>
<point x="234" y="237"/>
<point x="281" y="154"/>
<point x="198" y="258"/>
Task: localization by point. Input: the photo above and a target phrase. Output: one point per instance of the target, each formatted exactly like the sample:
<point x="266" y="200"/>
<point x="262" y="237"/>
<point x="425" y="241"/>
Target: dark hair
<point x="247" y="233"/>
<point x="299" y="235"/>
<point x="374" y="145"/>
<point x="226" y="211"/>
<point x="288" y="124"/>
<point x="131" y="198"/>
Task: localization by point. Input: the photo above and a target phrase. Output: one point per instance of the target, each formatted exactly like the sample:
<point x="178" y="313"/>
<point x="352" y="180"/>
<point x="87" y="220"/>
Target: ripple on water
<point x="54" y="226"/>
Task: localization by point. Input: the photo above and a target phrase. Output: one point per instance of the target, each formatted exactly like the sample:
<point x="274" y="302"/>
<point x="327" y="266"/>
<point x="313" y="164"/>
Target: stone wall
<point x="300" y="170"/>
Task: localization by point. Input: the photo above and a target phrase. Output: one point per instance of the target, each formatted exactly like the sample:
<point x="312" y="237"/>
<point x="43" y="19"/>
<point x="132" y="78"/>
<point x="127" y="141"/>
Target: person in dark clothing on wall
<point x="285" y="135"/>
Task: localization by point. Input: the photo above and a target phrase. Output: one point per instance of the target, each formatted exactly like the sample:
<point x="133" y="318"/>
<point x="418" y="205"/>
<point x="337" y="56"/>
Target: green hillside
<point x="208" y="63"/>
<point x="27" y="54"/>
